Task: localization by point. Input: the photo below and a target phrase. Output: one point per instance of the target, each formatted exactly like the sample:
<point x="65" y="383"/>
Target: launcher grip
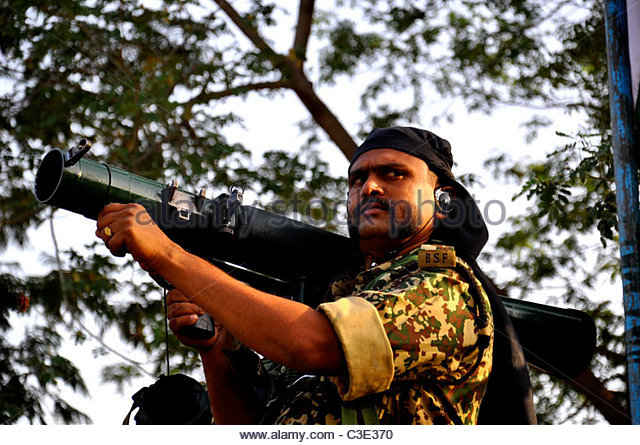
<point x="203" y="329"/>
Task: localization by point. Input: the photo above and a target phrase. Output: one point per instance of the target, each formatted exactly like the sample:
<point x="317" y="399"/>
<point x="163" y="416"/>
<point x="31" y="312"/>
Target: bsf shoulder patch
<point x="433" y="255"/>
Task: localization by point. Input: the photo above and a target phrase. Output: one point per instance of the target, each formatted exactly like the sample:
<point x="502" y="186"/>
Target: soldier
<point x="408" y="339"/>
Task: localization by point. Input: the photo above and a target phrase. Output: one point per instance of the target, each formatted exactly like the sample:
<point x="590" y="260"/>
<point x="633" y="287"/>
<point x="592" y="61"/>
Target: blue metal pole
<point x="626" y="177"/>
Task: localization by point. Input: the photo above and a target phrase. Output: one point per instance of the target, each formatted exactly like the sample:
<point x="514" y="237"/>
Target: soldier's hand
<point x="128" y="228"/>
<point x="182" y="313"/>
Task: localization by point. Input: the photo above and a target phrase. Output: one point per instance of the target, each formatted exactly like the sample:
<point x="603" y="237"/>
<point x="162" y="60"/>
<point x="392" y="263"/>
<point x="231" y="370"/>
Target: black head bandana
<point x="423" y="144"/>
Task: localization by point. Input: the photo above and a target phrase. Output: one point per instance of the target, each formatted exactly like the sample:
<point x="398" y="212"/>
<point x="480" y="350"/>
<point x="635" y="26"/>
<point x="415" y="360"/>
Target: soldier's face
<point x="390" y="197"/>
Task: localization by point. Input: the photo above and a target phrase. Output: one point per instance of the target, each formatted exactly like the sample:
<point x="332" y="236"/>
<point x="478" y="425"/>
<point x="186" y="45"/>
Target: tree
<point x="147" y="83"/>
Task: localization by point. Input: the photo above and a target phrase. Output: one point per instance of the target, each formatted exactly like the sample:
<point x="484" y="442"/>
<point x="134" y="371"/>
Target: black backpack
<point x="172" y="400"/>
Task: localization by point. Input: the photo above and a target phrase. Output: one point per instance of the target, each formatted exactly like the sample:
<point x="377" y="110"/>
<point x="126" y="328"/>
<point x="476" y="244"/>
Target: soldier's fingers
<point x="178" y="323"/>
<point x="102" y="235"/>
<point x="108" y="220"/>
<point x="111" y="208"/>
<point x="179" y="309"/>
<point x="105" y="233"/>
<point x="117" y="244"/>
<point x="119" y="212"/>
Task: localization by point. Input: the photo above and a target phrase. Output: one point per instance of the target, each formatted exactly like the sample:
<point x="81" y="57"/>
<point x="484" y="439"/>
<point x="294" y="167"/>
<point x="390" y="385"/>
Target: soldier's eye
<point x="355" y="180"/>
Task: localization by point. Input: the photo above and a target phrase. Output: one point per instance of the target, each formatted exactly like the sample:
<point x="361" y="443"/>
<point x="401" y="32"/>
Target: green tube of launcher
<point x="87" y="186"/>
<point x="259" y="240"/>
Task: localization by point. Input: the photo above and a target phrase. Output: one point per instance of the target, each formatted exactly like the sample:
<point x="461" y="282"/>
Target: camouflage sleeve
<point x="365" y="345"/>
<point x="429" y="320"/>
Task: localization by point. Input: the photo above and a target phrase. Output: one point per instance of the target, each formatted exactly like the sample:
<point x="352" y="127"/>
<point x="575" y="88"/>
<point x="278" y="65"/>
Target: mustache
<point x="371" y="201"/>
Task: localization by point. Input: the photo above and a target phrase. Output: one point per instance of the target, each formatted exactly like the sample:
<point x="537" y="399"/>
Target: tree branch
<point x="249" y="31"/>
<point x="605" y="401"/>
<point x="234" y="91"/>
<point x="17" y="219"/>
<point x="322" y="114"/>
<point x="303" y="30"/>
<point x="294" y="76"/>
<point x="551" y="104"/>
<point x="99" y="339"/>
<point x="57" y="252"/>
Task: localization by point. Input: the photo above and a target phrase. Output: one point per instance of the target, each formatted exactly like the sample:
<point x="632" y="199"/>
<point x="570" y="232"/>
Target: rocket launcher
<point x="274" y="253"/>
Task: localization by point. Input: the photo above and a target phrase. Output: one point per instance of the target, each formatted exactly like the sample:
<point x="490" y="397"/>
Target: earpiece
<point x="443" y="201"/>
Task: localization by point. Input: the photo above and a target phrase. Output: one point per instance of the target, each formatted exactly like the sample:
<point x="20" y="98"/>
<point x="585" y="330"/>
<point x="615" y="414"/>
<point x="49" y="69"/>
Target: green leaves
<point x="119" y="374"/>
<point x="346" y="49"/>
<point x="31" y="369"/>
<point x="549" y="249"/>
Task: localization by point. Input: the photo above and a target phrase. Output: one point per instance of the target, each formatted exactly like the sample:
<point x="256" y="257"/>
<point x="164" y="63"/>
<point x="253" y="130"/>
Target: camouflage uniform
<point x="415" y="341"/>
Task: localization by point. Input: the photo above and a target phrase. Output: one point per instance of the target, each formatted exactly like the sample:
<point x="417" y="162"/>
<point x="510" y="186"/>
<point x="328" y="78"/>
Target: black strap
<point x="508" y="399"/>
<point x="126" y="419"/>
<point x="447" y="405"/>
<point x="166" y="329"/>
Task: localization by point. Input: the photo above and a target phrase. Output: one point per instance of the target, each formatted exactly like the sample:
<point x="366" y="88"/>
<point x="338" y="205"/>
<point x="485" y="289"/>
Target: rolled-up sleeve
<point x="365" y="344"/>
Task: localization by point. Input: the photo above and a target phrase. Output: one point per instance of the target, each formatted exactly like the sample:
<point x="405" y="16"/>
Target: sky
<point x="270" y="124"/>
